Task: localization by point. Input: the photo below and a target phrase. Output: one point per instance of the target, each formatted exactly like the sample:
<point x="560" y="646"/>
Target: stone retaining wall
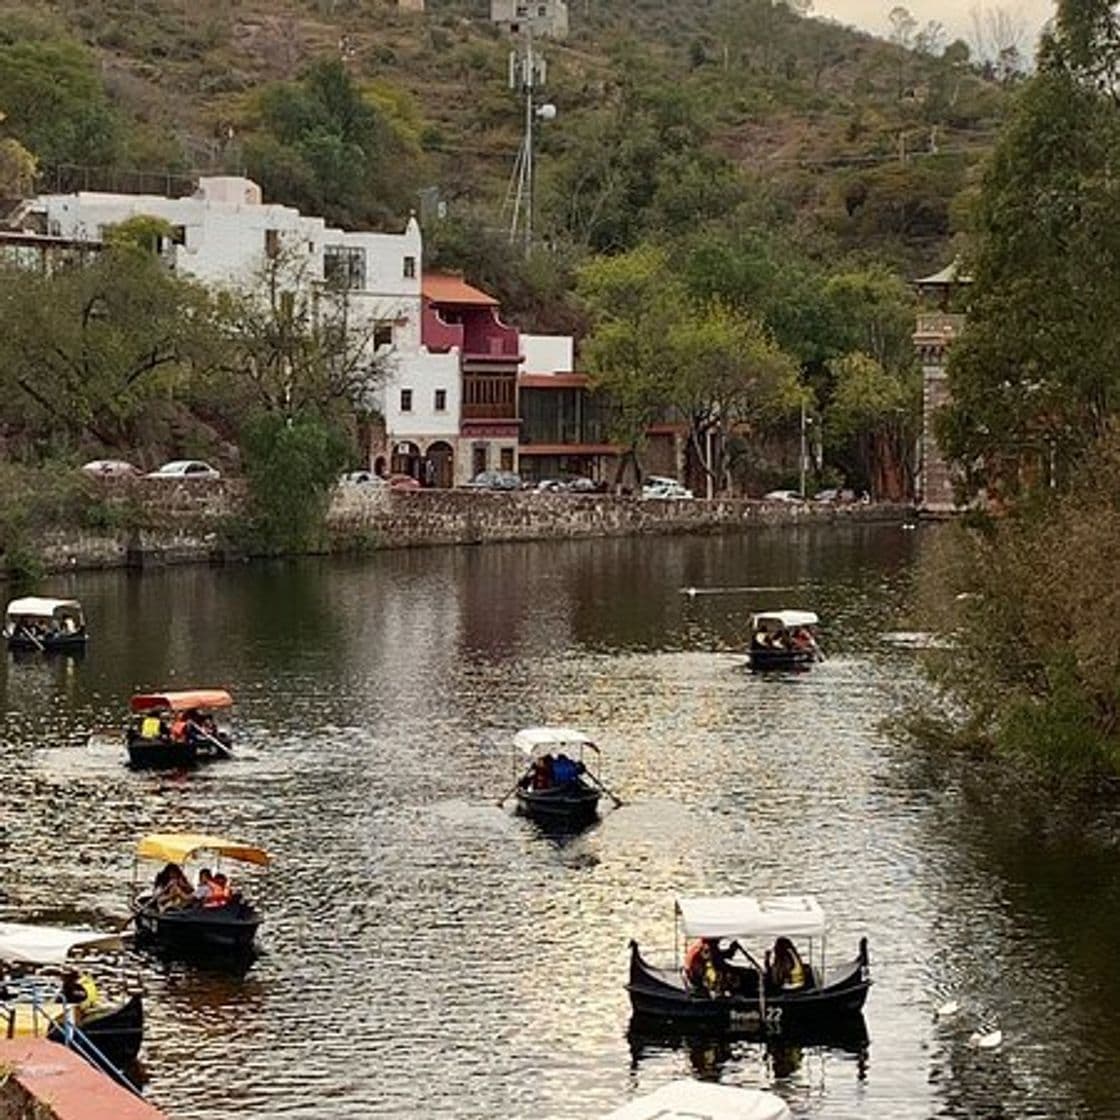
<point x="188" y="523"/>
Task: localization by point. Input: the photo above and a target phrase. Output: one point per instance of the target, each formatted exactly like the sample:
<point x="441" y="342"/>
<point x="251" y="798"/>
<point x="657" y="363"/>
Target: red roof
<point x="446" y="287"/>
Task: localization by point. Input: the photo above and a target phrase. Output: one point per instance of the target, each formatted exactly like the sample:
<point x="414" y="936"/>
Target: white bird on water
<point x="948" y="1009"/>
<point x="987" y="1041"/>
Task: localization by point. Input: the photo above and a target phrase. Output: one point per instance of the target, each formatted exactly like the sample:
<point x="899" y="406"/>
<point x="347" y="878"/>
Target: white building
<point x="541" y="17"/>
<point x="225" y="234"/>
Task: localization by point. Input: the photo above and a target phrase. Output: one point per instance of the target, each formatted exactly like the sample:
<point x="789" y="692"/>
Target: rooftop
<point x="447" y="287"/>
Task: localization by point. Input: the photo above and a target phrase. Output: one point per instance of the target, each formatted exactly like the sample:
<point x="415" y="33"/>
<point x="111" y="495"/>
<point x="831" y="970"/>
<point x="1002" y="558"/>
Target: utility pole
<point x="528" y="72"/>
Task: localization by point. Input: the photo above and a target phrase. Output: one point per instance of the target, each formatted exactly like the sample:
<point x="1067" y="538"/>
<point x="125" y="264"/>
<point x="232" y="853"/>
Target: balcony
<point x="439" y="335"/>
<point x="489" y="397"/>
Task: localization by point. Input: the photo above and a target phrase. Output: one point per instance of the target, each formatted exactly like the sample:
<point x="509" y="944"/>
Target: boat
<point x="34" y="1004"/>
<point x="702" y="1100"/>
<point x="750" y="996"/>
<point x="558" y="783"/>
<point x="785" y="639"/>
<point x="177" y="730"/>
<point x="45" y="625"/>
<point x="195" y="929"/>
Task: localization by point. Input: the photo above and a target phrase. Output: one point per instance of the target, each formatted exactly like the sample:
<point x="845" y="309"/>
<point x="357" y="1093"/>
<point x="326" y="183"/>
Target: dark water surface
<point x="429" y="954"/>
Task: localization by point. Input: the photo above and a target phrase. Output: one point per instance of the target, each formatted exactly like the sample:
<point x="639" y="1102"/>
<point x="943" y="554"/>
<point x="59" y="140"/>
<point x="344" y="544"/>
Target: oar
<point x="617" y="801"/>
<point x="31" y="634"/>
<point x="213" y="739"/>
<point x="513" y="789"/>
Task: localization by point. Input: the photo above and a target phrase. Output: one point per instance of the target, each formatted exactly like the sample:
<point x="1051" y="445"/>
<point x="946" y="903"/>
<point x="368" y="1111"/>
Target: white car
<point x="110" y="468"/>
<point x="657" y="486"/>
<point x="782" y="496"/>
<point x="185" y="468"/>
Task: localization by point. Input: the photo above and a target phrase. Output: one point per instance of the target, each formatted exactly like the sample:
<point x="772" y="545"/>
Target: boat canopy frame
<point x="34" y="606"/>
<point x="786" y="619"/>
<point x="730" y="917"/>
<point x="533" y="743"/>
<point x="21" y="943"/>
<point x="201" y="699"/>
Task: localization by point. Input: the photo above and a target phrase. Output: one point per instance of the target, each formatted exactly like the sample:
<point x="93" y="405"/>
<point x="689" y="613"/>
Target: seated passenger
<point x="79" y="990"/>
<point x="761" y="639"/>
<point x="219" y="890"/>
<point x="179" y="728"/>
<point x="565" y="770"/>
<point x="150" y="727"/>
<point x="205" y="889"/>
<point x="541" y="776"/>
<point x="786" y="971"/>
<point x="172" y="888"/>
<point x="705" y="969"/>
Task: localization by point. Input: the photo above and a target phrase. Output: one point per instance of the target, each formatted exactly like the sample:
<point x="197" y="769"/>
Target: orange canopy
<point x="208" y="699"/>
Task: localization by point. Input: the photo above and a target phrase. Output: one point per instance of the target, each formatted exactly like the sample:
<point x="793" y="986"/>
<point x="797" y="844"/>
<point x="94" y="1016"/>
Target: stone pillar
<point x="934" y="335"/>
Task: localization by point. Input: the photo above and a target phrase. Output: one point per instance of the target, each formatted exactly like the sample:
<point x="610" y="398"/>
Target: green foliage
<point x="53" y="97"/>
<point x="1036" y="377"/>
<point x="1034" y="665"/>
<point x="86" y="347"/>
<point x="17" y="169"/>
<point x="291" y="466"/>
<point x="330" y="149"/>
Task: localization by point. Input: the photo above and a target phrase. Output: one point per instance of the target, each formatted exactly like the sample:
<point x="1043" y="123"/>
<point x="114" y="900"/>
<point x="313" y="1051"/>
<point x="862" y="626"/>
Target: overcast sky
<point x="871" y="15"/>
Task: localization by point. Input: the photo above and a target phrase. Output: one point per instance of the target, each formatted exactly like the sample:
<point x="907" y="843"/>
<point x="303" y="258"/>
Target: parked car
<point x="782" y="496"/>
<point x="495" y="480"/>
<point x="360" y="478"/>
<point x="581" y="484"/>
<point x="403" y="482"/>
<point x="834" y="495"/>
<point x="551" y="486"/>
<point x="669" y="489"/>
<point x="110" y="468"/>
<point x="185" y="468"/>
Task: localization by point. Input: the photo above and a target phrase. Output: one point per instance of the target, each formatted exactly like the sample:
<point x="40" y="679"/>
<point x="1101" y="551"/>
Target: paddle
<point x="513" y="789"/>
<point x="226" y="752"/>
<point x="617" y="801"/>
<point x="31" y="634"/>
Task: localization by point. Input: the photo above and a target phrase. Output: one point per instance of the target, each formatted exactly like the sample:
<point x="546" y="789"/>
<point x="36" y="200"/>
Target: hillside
<point x="860" y="145"/>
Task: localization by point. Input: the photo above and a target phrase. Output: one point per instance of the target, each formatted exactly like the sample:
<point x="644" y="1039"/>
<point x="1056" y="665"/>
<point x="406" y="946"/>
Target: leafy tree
<point x="54" y="99"/>
<point x="1035" y="378"/>
<point x="17" y="169"/>
<point x="328" y="148"/>
<point x="291" y="465"/>
<point x="86" y="347"/>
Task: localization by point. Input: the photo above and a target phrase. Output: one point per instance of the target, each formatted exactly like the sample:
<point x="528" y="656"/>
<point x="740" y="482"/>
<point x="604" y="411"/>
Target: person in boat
<point x="801" y="639"/>
<point x="705" y="967"/>
<point x="219" y="890"/>
<point x="566" y="770"/>
<point x="205" y="889"/>
<point x="179" y="725"/>
<point x="787" y="973"/>
<point x="172" y="888"/>
<point x="540" y="774"/>
<point x="79" y="990"/>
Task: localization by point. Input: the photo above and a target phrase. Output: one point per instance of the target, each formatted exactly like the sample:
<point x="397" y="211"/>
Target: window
<point x="506" y="454"/>
<point x="344" y="267"/>
<point x="410" y="268"/>
<point x="441" y="400"/>
<point x="178" y="235"/>
<point x="272" y="243"/>
<point x="382" y="335"/>
<point x="406" y="400"/>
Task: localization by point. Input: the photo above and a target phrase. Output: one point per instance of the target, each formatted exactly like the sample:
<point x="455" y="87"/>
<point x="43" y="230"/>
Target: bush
<point x="291" y="465"/>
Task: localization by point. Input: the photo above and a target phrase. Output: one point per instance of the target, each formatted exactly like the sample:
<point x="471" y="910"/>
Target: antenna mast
<point x="528" y="71"/>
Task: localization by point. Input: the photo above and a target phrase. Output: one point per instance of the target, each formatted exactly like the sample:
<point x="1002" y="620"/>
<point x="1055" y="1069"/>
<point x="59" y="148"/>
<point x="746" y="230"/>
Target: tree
<point x="17" y="169"/>
<point x="1035" y="378"/>
<point x="630" y="299"/>
<point x="297" y="349"/>
<point x="86" y="347"/>
<point x="328" y="148"/>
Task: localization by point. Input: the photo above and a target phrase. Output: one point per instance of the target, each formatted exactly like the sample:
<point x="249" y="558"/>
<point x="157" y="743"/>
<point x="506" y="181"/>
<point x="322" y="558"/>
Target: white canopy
<point x="49" y="944"/>
<point x="534" y="741"/>
<point x="34" y="607"/>
<point x="701" y="1100"/>
<point x="788" y="620"/>
<point x="740" y="916"/>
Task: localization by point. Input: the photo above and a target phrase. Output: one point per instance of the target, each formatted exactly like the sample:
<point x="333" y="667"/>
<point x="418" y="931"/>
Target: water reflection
<point x="427" y="953"/>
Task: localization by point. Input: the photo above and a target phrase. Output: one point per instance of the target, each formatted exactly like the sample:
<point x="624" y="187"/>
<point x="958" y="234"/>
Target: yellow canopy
<point x="176" y="847"/>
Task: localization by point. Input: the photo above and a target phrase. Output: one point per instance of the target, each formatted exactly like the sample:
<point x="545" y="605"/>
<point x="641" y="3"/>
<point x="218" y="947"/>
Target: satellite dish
<point x="547" y="112"/>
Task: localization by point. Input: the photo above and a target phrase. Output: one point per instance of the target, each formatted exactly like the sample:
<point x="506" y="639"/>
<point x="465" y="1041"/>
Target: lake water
<point x="430" y="954"/>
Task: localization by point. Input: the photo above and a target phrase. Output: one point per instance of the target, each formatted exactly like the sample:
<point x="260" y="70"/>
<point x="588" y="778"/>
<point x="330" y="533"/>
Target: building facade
<point x="548" y="18"/>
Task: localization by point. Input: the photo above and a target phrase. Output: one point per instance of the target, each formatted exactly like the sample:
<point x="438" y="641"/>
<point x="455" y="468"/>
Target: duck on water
<point x="723" y="985"/>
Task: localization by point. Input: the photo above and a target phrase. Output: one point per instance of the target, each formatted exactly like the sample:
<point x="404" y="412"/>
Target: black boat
<point x="783" y="640"/>
<point x="196" y="928"/>
<point x="746" y="995"/>
<point x="37" y="1004"/>
<point x="116" y="1032"/>
<point x="558" y="786"/>
<point x="45" y="625"/>
<point x="176" y="730"/>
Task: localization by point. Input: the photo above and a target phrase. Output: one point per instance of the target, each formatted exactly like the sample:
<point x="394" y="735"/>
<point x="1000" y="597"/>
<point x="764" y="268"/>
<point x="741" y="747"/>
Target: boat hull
<point x="571" y="805"/>
<point x="662" y="996"/>
<point x="199" y="931"/>
<point x="164" y="754"/>
<point x="761" y="660"/>
<point x="51" y="643"/>
<point x="115" y="1032"/>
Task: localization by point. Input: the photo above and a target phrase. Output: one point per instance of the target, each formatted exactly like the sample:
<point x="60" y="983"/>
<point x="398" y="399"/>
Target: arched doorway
<point x="406" y="460"/>
<point x="440" y="465"/>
